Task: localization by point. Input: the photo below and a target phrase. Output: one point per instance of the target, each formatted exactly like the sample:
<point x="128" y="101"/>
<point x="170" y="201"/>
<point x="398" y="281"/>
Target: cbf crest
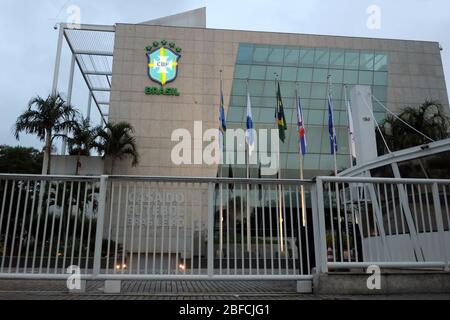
<point x="163" y="62"/>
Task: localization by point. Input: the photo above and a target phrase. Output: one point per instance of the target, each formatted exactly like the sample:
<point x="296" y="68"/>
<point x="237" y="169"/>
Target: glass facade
<point x="304" y="70"/>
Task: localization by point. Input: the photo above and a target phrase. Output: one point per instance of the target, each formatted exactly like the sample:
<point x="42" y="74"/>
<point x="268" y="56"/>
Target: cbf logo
<point x="163" y="66"/>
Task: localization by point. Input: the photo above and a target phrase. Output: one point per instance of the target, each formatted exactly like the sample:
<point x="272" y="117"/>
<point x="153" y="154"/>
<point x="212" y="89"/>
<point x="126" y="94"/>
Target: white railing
<point x="133" y="227"/>
<point x="396" y="223"/>
<point x="47" y="223"/>
<point x="156" y="227"/>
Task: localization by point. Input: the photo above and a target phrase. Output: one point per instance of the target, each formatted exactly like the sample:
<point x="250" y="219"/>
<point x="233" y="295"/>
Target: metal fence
<point x="129" y="227"/>
<point x="47" y="223"/>
<point x="385" y="222"/>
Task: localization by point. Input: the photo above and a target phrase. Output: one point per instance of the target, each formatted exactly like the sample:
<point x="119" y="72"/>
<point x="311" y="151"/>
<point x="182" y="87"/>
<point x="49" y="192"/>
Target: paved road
<point x="176" y="290"/>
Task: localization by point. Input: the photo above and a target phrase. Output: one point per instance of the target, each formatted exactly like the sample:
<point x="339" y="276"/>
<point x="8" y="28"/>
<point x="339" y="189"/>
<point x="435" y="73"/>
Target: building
<point x="161" y="219"/>
<point x="399" y="73"/>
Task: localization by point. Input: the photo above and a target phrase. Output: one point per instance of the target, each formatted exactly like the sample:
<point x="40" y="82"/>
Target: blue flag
<point x="331" y="130"/>
<point x="249" y="132"/>
<point x="222" y="121"/>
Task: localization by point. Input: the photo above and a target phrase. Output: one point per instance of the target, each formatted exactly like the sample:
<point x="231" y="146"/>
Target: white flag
<point x="351" y="131"/>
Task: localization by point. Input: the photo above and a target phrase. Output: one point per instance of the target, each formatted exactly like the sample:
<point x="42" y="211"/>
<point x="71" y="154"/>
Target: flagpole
<point x="247" y="156"/>
<point x="302" y="189"/>
<point x="220" y="184"/>
<point x="280" y="190"/>
<point x="350" y="144"/>
<point x="338" y="205"/>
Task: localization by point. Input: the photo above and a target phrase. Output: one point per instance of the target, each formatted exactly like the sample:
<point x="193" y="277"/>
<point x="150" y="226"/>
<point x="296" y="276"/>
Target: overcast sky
<point x="28" y="40"/>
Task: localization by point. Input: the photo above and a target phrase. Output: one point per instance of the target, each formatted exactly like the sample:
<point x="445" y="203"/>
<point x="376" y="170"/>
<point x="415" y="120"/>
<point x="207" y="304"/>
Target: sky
<point x="28" y="39"/>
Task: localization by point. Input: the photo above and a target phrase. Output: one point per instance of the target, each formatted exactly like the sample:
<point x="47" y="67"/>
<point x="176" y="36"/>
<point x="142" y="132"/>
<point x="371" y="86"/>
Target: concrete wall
<point x="415" y="73"/>
<point x="66" y="165"/>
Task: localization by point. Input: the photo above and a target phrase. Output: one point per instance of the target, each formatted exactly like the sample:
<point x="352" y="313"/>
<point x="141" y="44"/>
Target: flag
<point x="331" y="130"/>
<point x="222" y="121"/>
<point x="351" y="130"/>
<point x="249" y="137"/>
<point x="301" y="127"/>
<point x="280" y="117"/>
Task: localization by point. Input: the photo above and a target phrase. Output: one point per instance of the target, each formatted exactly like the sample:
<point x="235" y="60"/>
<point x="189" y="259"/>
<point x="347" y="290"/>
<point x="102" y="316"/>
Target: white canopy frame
<point x="92" y="50"/>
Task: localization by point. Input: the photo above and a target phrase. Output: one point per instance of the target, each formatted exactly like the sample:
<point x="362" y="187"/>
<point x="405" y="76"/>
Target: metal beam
<point x="90" y="27"/>
<point x="85" y="78"/>
<point x="69" y="101"/>
<point x="94" y="53"/>
<point x="98" y="73"/>
<point x="101" y="89"/>
<point x="400" y="156"/>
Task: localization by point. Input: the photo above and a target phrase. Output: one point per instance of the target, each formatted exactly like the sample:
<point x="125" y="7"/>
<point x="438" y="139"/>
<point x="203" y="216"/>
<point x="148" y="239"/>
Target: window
<point x="304" y="90"/>
<point x="291" y="56"/>
<point x="320" y="75"/>
<point x="242" y="71"/>
<point x="315" y="117"/>
<point x="381" y="62"/>
<point x="239" y="88"/>
<point x="311" y="160"/>
<point x="258" y="72"/>
<point x="289" y="74"/>
<point x="351" y="59"/>
<point x="350" y="77"/>
<point x="366" y="77"/>
<point x="307" y="57"/>
<point x="318" y="90"/>
<point x="380" y="78"/>
<point x="235" y="114"/>
<point x="305" y="74"/>
<point x="366" y="61"/>
<point x="313" y="138"/>
<point x="260" y="54"/>
<point x="337" y="58"/>
<point x="276" y="56"/>
<point x="322" y="58"/>
<point x="255" y="88"/>
<point x="273" y="72"/>
<point x="245" y="53"/>
<point x="337" y="76"/>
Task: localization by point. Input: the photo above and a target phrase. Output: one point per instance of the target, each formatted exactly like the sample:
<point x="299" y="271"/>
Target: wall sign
<point x="162" y="65"/>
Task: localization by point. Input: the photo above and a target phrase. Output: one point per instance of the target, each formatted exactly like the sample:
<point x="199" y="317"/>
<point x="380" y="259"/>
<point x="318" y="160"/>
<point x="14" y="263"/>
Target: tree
<point x="117" y="142"/>
<point x="20" y="160"/>
<point x="48" y="119"/>
<point x="82" y="140"/>
<point x="428" y="119"/>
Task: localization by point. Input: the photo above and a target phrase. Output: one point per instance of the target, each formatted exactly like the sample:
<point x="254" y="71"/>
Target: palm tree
<point x="82" y="140"/>
<point x="117" y="142"/>
<point x="428" y="119"/>
<point x="46" y="118"/>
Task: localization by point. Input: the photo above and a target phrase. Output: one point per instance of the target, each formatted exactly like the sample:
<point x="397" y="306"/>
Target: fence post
<point x="210" y="229"/>
<point x="440" y="224"/>
<point x="322" y="235"/>
<point x="316" y="229"/>
<point x="100" y="222"/>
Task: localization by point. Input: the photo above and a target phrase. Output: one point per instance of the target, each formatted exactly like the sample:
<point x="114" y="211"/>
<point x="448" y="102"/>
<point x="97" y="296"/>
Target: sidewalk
<point x="179" y="290"/>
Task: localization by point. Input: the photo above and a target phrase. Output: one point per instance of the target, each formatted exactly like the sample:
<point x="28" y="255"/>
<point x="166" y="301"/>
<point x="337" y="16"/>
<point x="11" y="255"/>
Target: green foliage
<point x="52" y="115"/>
<point x="20" y="160"/>
<point x="427" y="118"/>
<point x="117" y="142"/>
<point x="83" y="138"/>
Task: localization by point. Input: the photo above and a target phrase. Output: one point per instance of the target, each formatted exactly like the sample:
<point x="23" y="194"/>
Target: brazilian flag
<point x="280" y="117"/>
